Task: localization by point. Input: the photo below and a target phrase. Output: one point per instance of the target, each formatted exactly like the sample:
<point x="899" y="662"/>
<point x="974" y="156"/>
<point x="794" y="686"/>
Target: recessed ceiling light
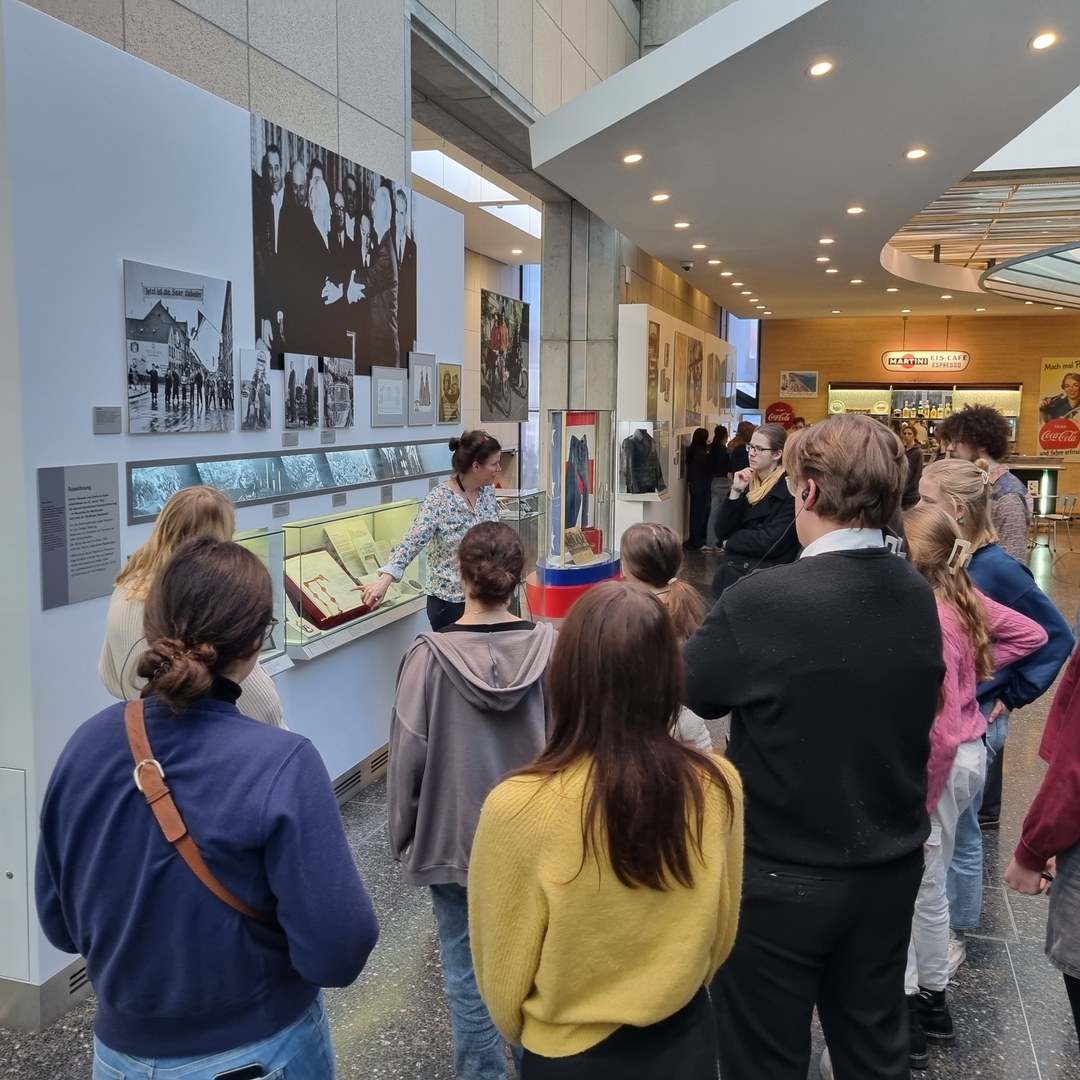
<point x="660" y="196"/>
<point x="714" y="262"/>
<point x="826" y="240"/>
<point x="892" y="288"/>
<point x="856" y="281"/>
<point x="980" y="309"/>
<point x="699" y="247"/>
<point x="915" y="153"/>
<point x="632" y="159"/>
<point x="681" y="225"/>
<point x="745" y="292"/>
<point x="725" y="273"/>
<point x="1029" y="302"/>
<point x="516" y="251"/>
<point x="752" y="300"/>
<point x="736" y="284"/>
<point x="766" y="313"/>
<point x="819" y="68"/>
<point x="855" y="209"/>
<point x="836" y="311"/>
<point x="1043" y="41"/>
<point x="905" y="311"/>
<point x="1058" y="307"/>
<point x="832" y="270"/>
<point x="761" y="307"/>
<point x="824" y="258"/>
<point x="946" y="296"/>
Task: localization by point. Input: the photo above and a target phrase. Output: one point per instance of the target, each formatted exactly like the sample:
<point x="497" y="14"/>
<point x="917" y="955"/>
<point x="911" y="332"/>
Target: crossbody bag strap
<point x="150" y="780"/>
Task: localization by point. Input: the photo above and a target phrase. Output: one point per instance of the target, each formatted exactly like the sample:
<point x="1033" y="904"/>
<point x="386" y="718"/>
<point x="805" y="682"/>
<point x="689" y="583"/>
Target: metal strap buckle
<point x="148" y="761"/>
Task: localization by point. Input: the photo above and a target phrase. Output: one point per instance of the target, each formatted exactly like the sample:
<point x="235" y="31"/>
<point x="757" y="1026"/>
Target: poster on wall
<point x="338" y="392"/>
<point x="389" y="394"/>
<point x="179" y="350"/>
<point x="798" y="384"/>
<point x="301" y="391"/>
<point x="421" y="389"/>
<point x="652" y="373"/>
<point x="449" y="376"/>
<point x="678" y="380"/>
<point x="1059" y="408"/>
<point x="714" y="380"/>
<point x="254" y="390"/>
<point x="334" y="253"/>
<point x="504" y="358"/>
<point x="695" y="365"/>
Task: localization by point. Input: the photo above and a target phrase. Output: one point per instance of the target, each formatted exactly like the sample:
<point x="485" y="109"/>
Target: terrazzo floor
<point x="1011" y="1013"/>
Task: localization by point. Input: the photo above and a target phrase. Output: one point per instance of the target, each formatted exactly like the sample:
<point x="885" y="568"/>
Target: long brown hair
<point x="931" y="534"/>
<point x="191" y="511"/>
<point x="208" y="607"/>
<point x="652" y="554"/>
<point x="615" y="682"/>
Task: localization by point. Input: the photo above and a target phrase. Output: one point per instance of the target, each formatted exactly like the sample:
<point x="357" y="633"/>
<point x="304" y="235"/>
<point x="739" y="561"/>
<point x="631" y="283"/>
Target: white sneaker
<point x="825" y="1068"/>
<point x="957" y="951"/>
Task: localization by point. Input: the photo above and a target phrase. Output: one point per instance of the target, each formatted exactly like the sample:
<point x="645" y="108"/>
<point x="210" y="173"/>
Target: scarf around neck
<point x="758" y="489"/>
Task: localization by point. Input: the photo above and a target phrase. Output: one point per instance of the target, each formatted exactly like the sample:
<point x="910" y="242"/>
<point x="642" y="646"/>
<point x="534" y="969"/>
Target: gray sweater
<point x="470" y="708"/>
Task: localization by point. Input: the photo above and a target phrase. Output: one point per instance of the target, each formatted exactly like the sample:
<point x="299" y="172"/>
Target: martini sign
<point x="914" y="361"/>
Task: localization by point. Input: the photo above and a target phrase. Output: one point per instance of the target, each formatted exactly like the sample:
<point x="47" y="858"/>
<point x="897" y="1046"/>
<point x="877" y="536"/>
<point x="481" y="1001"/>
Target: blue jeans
<point x="964" y="884"/>
<point x="302" y="1051"/>
<point x="479" y="1052"/>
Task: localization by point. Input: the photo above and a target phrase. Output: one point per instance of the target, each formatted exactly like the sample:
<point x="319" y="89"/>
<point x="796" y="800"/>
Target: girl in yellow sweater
<point x="605" y="877"/>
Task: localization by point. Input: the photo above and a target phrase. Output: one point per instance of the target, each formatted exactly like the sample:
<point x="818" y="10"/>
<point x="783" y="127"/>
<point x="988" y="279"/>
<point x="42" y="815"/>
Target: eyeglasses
<point x="753" y="448"/>
<point x="269" y="631"/>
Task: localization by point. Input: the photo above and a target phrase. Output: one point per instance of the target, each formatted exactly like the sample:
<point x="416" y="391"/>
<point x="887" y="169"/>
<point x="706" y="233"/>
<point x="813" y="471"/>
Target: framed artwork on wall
<point x="449" y="376"/>
<point x="422" y="389"/>
<point x="301" y="391"/>
<point x="798" y="384"/>
<point x="389" y="391"/>
<point x="504" y="358"/>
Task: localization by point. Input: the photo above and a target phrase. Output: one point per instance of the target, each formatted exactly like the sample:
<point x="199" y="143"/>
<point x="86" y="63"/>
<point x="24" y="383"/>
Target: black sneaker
<point x="989" y="822"/>
<point x="919" y="1052"/>
<point x="934" y="1016"/>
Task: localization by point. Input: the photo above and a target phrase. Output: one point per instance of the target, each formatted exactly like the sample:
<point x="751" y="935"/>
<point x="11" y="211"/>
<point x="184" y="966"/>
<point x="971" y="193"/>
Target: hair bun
<point x="454" y="443"/>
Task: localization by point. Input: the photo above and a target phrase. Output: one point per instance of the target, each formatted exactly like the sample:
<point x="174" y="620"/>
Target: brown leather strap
<point x="150" y="780"/>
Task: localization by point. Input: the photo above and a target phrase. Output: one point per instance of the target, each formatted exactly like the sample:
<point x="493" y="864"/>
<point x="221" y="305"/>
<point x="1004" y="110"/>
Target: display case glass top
<point x="326" y="563"/>
<point x="268" y="546"/>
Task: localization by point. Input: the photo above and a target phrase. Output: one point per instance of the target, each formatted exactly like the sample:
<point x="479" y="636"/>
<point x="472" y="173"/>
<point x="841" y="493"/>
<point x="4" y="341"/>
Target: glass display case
<point x="520" y="509"/>
<point x="269" y="548"/>
<point x="325" y="564"/>
<point x="644" y="454"/>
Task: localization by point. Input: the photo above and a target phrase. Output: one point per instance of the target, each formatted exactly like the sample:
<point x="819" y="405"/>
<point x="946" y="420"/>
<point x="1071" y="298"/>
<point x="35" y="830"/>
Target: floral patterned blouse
<point x="443" y="519"/>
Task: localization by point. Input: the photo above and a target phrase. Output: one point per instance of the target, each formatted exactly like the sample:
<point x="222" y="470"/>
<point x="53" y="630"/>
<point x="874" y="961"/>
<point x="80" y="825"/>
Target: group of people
<point x="612" y="897"/>
<point x="335" y="271"/>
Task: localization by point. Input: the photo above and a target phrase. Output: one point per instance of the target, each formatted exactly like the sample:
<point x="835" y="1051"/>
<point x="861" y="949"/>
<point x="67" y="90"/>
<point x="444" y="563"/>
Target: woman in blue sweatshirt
<point x="184" y="982"/>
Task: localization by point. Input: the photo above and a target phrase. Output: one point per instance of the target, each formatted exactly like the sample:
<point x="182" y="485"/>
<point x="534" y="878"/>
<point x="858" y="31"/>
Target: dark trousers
<point x="682" y="1047"/>
<point x="1072" y="988"/>
<point x="813" y="935"/>
<point x="442" y="613"/>
<point x="991" y="792"/>
<point x="700" y="503"/>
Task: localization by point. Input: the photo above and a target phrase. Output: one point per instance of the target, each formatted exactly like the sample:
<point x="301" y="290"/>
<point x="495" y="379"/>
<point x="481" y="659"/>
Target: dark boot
<point x="920" y="1052"/>
<point x="935" y="1017"/>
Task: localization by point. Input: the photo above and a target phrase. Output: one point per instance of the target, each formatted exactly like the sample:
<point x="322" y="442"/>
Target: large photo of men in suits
<point x="334" y="254"/>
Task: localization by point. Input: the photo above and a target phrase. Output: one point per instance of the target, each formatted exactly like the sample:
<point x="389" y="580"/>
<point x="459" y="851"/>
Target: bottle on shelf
<point x="948" y="409"/>
<point x="934" y="415"/>
<point x="920" y="409"/>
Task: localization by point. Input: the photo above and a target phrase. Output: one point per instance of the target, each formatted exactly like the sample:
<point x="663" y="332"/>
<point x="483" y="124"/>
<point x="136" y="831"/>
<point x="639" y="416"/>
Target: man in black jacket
<point x="831" y="716"/>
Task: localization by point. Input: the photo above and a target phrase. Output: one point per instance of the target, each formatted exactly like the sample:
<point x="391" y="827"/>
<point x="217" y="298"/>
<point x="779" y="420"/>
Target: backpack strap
<point x="150" y="780"/>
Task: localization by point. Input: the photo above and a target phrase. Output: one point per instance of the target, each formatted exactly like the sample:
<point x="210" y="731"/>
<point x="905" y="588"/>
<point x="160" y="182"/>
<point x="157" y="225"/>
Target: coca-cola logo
<point x="1059" y="434"/>
<point x="780" y="412"/>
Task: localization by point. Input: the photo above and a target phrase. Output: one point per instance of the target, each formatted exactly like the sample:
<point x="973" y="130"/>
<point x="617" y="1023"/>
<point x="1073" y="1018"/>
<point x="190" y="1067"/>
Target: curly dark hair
<point x="981" y="427"/>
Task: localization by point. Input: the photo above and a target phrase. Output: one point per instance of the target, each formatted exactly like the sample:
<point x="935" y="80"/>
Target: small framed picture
<point x="449" y="393"/>
<point x="798" y="384"/>
<point x="422" y="389"/>
<point x="389" y="391"/>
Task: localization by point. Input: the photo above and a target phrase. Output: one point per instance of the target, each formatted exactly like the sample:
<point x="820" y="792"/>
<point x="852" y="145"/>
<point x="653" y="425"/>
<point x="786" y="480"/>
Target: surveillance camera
<point x="687" y="266"/>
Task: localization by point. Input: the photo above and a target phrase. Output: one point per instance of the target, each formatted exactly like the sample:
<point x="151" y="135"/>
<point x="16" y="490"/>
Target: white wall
<point x="111" y="158"/>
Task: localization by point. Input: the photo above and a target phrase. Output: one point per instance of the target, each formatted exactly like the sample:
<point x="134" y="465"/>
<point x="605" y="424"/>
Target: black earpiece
<point x="806" y="493"/>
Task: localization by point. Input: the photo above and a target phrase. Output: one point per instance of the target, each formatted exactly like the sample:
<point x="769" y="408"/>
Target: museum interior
<point x="608" y="223"/>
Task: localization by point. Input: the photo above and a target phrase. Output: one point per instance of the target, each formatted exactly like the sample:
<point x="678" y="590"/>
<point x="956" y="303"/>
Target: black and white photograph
<point x="504" y="358"/>
<point x="254" y="389"/>
<point x="352" y="466"/>
<point x="301" y="391"/>
<point x="242" y="479"/>
<point x="421" y="389"/>
<point x="179" y="340"/>
<point x="303" y="474"/>
<point x="449" y="376"/>
<point x="338" y="392"/>
<point x="694" y="378"/>
<point x="153" y="485"/>
<point x="334" y="254"/>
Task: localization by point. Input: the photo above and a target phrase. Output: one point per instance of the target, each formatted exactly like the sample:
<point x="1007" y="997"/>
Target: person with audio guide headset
<point x="830" y="731"/>
<point x="756" y="521"/>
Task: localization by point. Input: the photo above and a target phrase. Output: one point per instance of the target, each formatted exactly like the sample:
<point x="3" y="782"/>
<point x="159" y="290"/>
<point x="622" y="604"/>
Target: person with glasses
<point x="193" y="980"/>
<point x="190" y="512"/>
<point x="756" y="521"/>
<point x="830" y="731"/>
